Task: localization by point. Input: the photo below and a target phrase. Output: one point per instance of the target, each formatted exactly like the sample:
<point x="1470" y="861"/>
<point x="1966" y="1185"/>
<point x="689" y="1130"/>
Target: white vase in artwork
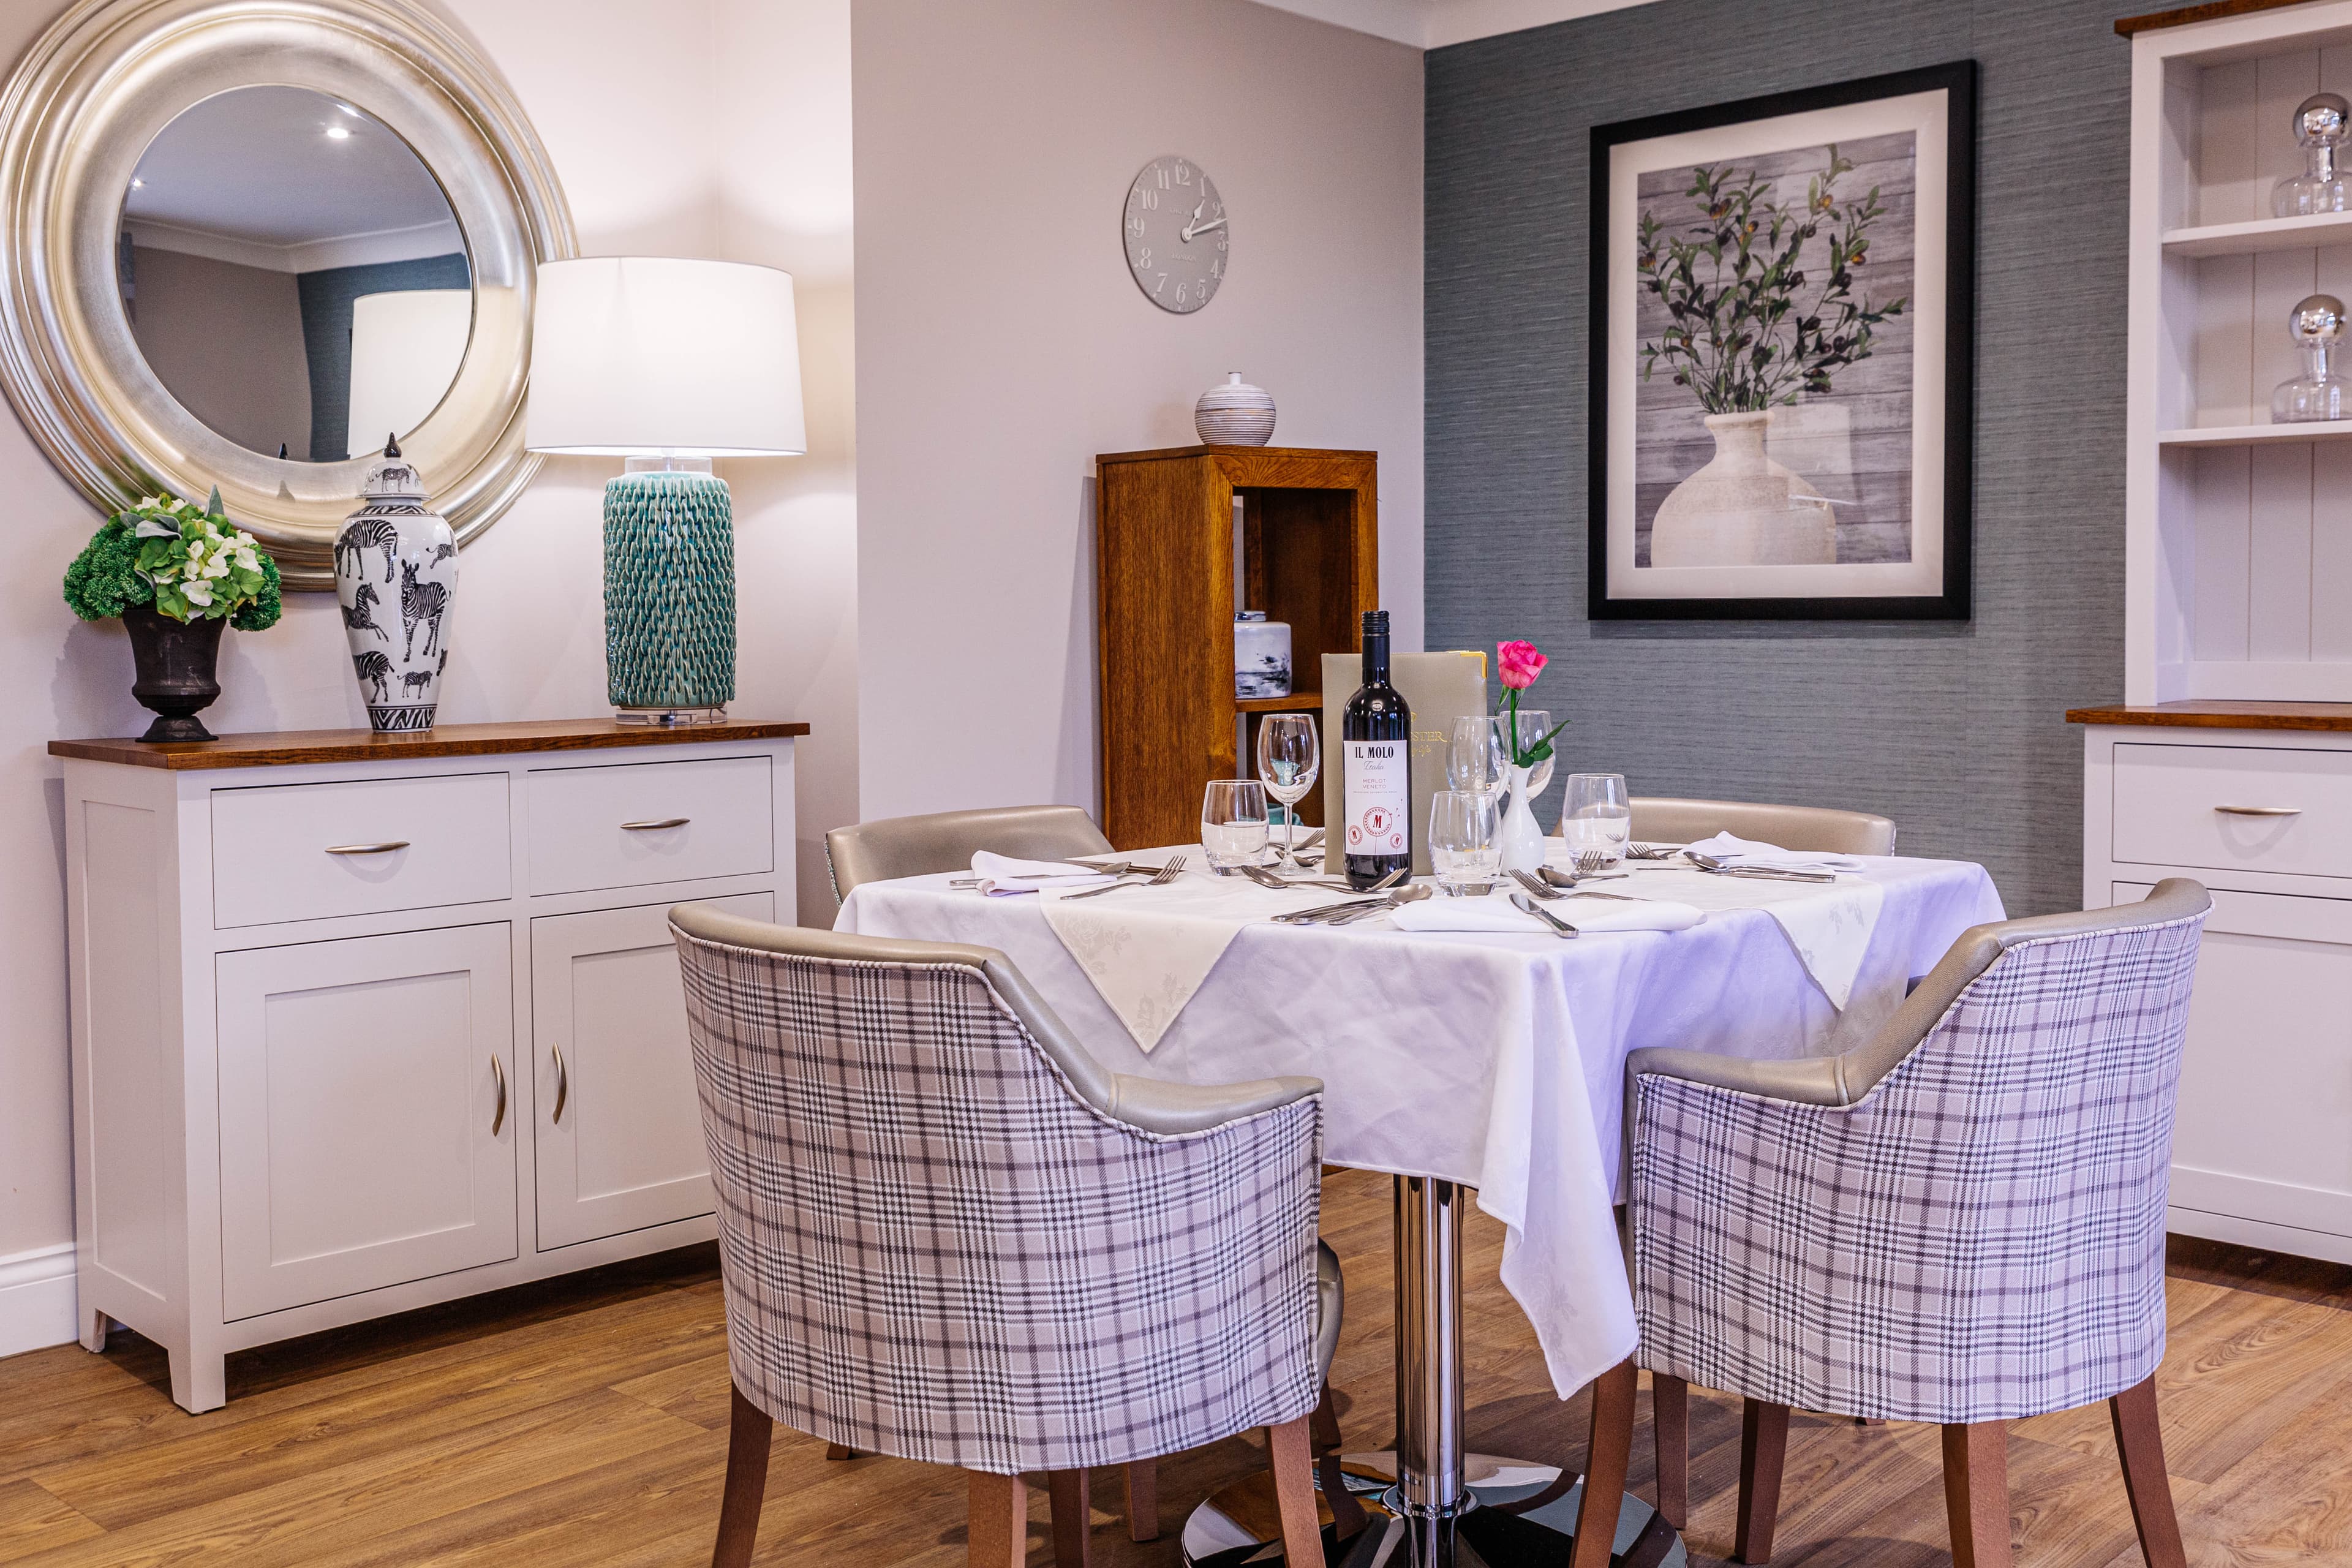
<point x="1523" y="838"/>
<point x="395" y="577"/>
<point x="1743" y="509"/>
<point x="1235" y="415"/>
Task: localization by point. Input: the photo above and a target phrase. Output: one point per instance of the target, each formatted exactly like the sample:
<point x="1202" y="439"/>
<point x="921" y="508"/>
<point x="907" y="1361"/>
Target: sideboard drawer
<point x="306" y="852"/>
<point x="2202" y="805"/>
<point x="628" y="825"/>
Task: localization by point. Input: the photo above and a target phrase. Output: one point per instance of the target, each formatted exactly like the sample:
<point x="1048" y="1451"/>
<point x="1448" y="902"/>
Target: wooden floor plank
<point x="581" y="1422"/>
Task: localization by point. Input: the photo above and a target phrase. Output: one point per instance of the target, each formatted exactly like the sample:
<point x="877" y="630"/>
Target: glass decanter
<point x="2317" y="325"/>
<point x="2322" y="122"/>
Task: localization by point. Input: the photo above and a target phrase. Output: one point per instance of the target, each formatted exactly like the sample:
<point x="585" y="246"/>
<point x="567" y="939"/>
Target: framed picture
<point x="1782" y="355"/>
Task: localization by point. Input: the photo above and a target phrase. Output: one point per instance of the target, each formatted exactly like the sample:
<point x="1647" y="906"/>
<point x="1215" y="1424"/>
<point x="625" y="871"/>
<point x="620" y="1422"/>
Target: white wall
<point x="1001" y="343"/>
<point x="667" y="128"/>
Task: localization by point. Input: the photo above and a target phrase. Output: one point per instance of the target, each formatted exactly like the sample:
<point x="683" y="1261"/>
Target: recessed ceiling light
<point x="339" y="134"/>
<point x="347" y="109"/>
<point x="137" y="183"/>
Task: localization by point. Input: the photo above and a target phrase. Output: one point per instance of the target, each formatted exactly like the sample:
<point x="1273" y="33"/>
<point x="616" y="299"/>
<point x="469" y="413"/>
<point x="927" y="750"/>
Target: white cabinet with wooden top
<point x="362" y="1023"/>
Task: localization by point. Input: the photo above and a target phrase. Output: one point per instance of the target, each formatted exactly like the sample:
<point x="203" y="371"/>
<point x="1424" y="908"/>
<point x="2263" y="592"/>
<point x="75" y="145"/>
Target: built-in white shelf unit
<point x="2240" y="531"/>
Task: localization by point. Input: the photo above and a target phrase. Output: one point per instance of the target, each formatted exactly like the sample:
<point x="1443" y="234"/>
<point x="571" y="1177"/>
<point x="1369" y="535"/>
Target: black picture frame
<point x="1957" y="80"/>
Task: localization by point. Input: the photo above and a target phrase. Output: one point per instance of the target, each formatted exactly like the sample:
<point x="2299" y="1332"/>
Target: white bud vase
<point x="1523" y="839"/>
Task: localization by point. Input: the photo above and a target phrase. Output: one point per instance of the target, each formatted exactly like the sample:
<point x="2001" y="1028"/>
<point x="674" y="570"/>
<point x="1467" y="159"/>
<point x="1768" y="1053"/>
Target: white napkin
<point x="997" y="872"/>
<point x="1734" y="851"/>
<point x="1500" y="914"/>
<point x="1829" y="924"/>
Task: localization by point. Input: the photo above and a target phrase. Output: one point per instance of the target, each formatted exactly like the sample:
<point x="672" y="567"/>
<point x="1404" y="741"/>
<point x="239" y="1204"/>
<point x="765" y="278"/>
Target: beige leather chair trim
<point x="1661" y="819"/>
<point x="944" y="841"/>
<point x="1846" y="1079"/>
<point x="1330" y="1306"/>
<point x="1146" y="1104"/>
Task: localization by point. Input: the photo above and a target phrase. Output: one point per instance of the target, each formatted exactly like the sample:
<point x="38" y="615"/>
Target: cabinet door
<point x="2264" y="1127"/>
<point x="620" y="1130"/>
<point x="367" y="1114"/>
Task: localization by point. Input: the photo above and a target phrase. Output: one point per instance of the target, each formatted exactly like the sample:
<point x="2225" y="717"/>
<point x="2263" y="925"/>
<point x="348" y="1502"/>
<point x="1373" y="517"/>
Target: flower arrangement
<point x="190" y="564"/>
<point x="1736" y="336"/>
<point x="1518" y="663"/>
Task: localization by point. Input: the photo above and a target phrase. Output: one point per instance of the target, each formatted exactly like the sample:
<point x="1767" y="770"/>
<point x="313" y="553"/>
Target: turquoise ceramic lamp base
<point x="669" y="595"/>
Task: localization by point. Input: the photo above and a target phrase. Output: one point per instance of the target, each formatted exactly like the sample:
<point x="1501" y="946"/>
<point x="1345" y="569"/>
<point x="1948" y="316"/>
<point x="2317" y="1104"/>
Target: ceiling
<point x="1433" y="23"/>
<point x="255" y="176"/>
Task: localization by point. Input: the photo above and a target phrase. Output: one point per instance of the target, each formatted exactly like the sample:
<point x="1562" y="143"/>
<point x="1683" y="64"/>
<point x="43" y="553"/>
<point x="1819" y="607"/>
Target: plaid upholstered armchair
<point x="947" y="1234"/>
<point x="1960" y="1221"/>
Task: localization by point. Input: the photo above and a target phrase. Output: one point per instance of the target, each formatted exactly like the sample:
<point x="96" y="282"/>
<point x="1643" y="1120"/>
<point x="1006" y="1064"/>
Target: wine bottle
<point x="1375" y="732"/>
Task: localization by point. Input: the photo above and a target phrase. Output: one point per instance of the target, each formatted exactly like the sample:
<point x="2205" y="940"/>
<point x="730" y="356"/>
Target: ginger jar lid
<point x="392" y="478"/>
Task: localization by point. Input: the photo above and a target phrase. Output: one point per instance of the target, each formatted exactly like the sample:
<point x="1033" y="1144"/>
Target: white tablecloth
<point x="1492" y="1060"/>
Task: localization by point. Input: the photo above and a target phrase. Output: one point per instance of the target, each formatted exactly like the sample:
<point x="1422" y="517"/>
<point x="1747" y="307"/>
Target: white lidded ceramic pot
<point x="396" y="580"/>
<point x="1235" y="415"/>
<point x="1743" y="509"/>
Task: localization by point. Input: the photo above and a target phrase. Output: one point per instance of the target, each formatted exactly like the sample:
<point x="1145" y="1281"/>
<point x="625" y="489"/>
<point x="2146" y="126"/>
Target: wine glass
<point x="1475" y="760"/>
<point x="1232" y="824"/>
<point x="1466" y="839"/>
<point x="1290" y="755"/>
<point x="1597" y="815"/>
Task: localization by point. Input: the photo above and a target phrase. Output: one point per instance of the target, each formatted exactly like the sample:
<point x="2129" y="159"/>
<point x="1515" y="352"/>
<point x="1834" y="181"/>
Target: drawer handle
<point x="656" y="825"/>
<point x="2260" y="810"/>
<point x="498" y="1117"/>
<point x="387" y="847"/>
<point x="563" y="1083"/>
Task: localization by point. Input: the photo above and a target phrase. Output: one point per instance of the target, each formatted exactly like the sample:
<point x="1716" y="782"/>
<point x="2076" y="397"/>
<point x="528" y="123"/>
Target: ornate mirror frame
<point x="77" y="116"/>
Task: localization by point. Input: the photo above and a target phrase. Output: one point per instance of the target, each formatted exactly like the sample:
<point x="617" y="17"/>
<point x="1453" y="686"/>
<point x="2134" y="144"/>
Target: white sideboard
<point x="363" y="1023"/>
<point x="2261" y="1145"/>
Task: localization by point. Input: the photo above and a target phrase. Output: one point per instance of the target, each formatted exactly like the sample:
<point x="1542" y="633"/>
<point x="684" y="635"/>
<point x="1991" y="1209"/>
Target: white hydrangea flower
<point x="197" y="592"/>
<point x="246" y="560"/>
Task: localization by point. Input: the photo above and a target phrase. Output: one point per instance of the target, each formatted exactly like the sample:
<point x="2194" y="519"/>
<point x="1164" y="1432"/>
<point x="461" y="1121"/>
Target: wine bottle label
<point x="1378" y="815"/>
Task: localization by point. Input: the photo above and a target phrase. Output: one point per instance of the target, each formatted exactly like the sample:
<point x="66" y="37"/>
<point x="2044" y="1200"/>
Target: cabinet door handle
<point x="2260" y="810"/>
<point x="562" y="1082"/>
<point x="498" y="1117"/>
<point x="387" y="847"/>
<point x="656" y="825"/>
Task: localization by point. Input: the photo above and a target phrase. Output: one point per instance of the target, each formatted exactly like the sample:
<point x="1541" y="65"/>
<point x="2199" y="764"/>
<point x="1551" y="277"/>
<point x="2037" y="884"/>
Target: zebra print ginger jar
<point x="395" y="575"/>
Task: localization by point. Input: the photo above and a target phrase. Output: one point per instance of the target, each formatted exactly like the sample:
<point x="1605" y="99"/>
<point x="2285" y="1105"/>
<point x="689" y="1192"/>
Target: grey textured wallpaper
<point x="1957" y="730"/>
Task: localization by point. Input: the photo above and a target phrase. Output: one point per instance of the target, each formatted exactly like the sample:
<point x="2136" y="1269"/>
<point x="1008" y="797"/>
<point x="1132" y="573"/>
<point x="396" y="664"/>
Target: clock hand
<point x="1190" y="232"/>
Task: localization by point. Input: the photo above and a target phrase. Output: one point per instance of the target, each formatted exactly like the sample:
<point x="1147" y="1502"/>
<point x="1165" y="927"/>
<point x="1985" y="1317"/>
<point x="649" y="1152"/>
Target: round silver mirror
<point x="235" y="229"/>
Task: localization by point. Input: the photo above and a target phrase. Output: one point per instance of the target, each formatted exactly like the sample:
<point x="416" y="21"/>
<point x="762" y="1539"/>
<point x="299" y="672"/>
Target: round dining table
<point x="1471" y="1066"/>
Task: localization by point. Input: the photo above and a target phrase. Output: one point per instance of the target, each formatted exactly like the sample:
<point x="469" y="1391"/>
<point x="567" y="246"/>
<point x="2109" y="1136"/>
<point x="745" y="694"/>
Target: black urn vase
<point x="173" y="662"/>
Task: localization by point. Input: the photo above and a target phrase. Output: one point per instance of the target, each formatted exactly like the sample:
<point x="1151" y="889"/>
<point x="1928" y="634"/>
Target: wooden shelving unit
<point x="1167" y="567"/>
<point x="2238" y="531"/>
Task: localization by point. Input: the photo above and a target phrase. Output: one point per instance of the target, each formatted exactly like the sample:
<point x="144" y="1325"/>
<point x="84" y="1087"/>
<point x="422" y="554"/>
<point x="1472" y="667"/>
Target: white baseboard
<point x="37" y="1298"/>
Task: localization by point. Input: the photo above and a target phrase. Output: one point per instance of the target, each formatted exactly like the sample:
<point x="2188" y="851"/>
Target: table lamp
<point x="668" y="363"/>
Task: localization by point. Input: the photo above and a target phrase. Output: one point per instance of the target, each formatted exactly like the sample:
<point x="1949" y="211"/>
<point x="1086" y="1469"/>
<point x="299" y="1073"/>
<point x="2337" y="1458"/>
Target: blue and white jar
<point x="396" y="580"/>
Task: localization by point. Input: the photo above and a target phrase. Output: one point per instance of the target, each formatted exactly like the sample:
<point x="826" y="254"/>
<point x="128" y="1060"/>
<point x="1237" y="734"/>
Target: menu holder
<point x="1439" y="688"/>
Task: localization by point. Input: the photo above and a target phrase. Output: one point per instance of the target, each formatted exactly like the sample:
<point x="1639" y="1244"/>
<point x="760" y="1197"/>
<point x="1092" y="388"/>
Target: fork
<point x="1651" y="851"/>
<point x="1534" y="884"/>
<point x="1161" y="878"/>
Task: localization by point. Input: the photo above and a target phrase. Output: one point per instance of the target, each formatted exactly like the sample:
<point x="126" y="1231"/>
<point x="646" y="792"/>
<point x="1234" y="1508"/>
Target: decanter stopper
<point x="2317" y="326"/>
<point x="2322" y="123"/>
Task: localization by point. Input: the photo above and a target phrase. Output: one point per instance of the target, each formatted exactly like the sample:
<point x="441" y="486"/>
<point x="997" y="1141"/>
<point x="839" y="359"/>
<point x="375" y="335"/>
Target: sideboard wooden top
<point x="294" y="747"/>
<point x="2221" y="715"/>
<point x="2181" y="16"/>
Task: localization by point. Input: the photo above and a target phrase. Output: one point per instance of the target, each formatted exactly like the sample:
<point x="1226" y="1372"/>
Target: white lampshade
<point x="406" y="350"/>
<point x="639" y="357"/>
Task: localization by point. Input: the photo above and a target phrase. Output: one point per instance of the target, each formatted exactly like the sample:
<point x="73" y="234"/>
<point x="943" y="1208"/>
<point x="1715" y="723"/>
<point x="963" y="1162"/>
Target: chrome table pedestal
<point x="1434" y="1505"/>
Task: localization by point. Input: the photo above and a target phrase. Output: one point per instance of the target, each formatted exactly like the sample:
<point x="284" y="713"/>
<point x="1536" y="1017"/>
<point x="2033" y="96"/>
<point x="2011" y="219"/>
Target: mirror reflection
<point x="294" y="274"/>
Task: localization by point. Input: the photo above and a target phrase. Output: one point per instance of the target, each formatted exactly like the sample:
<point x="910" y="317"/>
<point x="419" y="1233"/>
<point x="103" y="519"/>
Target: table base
<point x="1237" y="1528"/>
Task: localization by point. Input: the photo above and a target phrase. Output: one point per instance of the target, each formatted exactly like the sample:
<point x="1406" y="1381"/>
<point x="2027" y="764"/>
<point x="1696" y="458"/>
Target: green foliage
<point x="1735" y="334"/>
<point x="189" y="564"/>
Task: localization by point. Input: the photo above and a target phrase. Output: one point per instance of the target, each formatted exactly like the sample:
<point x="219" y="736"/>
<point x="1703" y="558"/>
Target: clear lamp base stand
<point x="669" y="718"/>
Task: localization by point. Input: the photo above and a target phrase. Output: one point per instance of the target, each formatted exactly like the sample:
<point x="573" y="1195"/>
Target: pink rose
<point x="1519" y="664"/>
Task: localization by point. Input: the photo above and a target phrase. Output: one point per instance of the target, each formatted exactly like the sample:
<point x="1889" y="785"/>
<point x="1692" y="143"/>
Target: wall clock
<point x="1175" y="235"/>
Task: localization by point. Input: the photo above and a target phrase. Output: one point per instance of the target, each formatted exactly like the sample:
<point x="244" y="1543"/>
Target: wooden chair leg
<point x="1608" y="1454"/>
<point x="1143" y="1500"/>
<point x="840" y="1451"/>
<point x="1291" y="1446"/>
<point x="1763" y="1455"/>
<point x="1976" y="1493"/>
<point x="1073" y="1503"/>
<point x="1670" y="1421"/>
<point x="2140" y="1439"/>
<point x="1348" y="1519"/>
<point x="749" y="1435"/>
<point x="997" y="1523"/>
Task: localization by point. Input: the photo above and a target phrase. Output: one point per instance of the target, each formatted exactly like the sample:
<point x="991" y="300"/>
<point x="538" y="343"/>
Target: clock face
<point x="1175" y="234"/>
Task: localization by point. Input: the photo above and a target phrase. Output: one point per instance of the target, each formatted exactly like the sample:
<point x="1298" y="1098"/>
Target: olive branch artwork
<point x="1730" y="281"/>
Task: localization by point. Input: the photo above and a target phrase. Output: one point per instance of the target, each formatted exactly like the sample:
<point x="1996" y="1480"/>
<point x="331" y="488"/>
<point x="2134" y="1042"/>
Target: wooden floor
<point x="582" y="1422"/>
